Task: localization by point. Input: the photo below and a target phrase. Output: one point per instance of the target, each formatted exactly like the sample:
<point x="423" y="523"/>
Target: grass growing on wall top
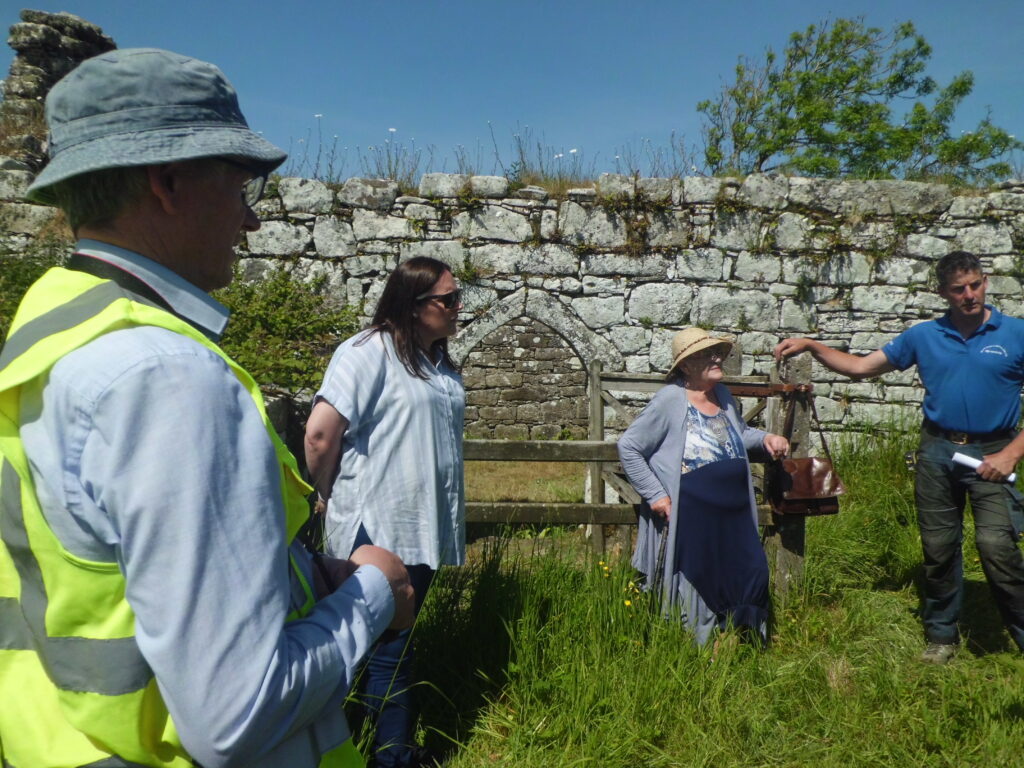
<point x="558" y="661"/>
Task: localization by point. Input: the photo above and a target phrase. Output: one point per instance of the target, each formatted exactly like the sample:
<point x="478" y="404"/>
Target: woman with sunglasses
<point x="686" y="455"/>
<point x="384" y="449"/>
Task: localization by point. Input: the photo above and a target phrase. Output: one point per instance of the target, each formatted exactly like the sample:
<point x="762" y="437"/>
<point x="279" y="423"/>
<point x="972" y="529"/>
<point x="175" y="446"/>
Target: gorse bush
<point x="283" y="329"/>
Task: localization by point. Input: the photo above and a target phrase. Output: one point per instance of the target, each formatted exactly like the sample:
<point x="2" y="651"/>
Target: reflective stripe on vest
<point x="97" y="668"/>
<point x="109" y="667"/>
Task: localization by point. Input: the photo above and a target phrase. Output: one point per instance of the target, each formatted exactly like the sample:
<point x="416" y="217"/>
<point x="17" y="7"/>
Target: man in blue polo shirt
<point x="971" y="363"/>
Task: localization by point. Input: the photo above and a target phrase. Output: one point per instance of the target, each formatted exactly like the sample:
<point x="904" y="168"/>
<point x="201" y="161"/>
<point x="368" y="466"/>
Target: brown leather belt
<point x="963" y="438"/>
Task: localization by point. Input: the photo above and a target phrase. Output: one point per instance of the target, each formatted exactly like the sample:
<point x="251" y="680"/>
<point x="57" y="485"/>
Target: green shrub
<point x="283" y="330"/>
<point x="19" y="269"/>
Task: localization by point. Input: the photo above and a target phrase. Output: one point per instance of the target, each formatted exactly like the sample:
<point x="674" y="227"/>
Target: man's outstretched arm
<point x="854" y="366"/>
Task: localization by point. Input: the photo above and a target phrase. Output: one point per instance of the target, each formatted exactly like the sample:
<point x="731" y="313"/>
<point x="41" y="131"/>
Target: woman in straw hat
<point x="686" y="455"/>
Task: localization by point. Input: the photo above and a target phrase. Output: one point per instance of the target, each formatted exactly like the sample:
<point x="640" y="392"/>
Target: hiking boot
<point x="939" y="653"/>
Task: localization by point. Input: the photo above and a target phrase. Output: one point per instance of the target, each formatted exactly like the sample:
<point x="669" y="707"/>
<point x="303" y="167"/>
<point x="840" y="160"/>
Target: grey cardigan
<point x="651" y="452"/>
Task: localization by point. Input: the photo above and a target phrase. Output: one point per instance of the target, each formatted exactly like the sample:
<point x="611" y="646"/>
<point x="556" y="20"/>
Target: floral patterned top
<point x="709" y="439"/>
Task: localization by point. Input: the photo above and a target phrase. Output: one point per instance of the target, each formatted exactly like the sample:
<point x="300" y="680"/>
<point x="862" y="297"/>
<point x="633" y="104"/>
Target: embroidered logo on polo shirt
<point x="993" y="349"/>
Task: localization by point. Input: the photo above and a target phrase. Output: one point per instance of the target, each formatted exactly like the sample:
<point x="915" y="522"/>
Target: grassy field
<point x="542" y="661"/>
<point x="549" y="481"/>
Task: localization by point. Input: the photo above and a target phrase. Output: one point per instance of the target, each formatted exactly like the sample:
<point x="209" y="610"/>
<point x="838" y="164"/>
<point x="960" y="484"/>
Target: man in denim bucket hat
<point x="155" y="607"/>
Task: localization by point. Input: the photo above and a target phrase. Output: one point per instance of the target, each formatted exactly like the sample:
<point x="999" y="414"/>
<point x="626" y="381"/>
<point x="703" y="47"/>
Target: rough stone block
<point x="421" y="212"/>
<point x="481" y="396"/>
<point x="901" y="271"/>
<point x="598" y="312"/>
<point x="279" y="238"/>
<point x="647" y="265"/>
<point x="1003" y="285"/>
<point x="882" y="299"/>
<point x="927" y="246"/>
<point x="792" y="232"/>
<point x="656" y="189"/>
<point x="531" y="192"/>
<point x="738" y="231"/>
<point x="368" y="193"/>
<point x="615" y="185"/>
<point x="968" y="207"/>
<point x="764" y="190"/>
<point x="451" y="252"/>
<point x="488" y="186"/>
<point x="985" y="239"/>
<point x="1007" y="201"/>
<point x="25" y="218"/>
<point x="702" y="189"/>
<point x="795" y="316"/>
<point x="492" y="223"/>
<point x="661" y="303"/>
<point x="700" y="264"/>
<point x="603" y="286"/>
<point x="443" y="184"/>
<point x="333" y="237"/>
<point x="305" y="195"/>
<point x="670" y="229"/>
<point x="13" y="184"/>
<point x="757" y="268"/>
<point x="734" y="310"/>
<point x="548" y="259"/>
<point x="370" y="225"/>
<point x="595" y="227"/>
<point x="581" y="194"/>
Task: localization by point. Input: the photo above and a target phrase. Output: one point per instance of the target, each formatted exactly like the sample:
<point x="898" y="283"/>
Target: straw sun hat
<point x="690" y="341"/>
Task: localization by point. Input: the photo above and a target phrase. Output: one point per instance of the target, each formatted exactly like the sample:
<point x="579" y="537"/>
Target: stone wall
<point x="610" y="273"/>
<point x="616" y="269"/>
<point x="47" y="46"/>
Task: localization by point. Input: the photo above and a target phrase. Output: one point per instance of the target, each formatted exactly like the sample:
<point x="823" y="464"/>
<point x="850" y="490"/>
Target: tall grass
<point x="559" y="661"/>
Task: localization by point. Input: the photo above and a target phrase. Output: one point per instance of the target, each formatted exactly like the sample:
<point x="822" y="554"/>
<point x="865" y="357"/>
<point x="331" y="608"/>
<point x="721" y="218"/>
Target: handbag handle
<point x="787" y="424"/>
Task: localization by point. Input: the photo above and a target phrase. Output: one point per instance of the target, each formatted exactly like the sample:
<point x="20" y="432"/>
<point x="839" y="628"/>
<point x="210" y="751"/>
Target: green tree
<point x="825" y="108"/>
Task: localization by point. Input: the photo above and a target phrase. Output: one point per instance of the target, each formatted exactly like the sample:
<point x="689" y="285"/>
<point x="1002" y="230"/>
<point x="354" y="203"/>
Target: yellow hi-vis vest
<point x="74" y="688"/>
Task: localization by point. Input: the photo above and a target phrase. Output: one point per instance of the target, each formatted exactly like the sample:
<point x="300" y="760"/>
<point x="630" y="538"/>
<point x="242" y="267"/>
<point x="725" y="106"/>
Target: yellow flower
<point x="628" y="602"/>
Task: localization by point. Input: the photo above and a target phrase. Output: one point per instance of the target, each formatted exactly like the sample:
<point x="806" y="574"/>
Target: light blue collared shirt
<point x="400" y="471"/>
<point x="147" y="452"/>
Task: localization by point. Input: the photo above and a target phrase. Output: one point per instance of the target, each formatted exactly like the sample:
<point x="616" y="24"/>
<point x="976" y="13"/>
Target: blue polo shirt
<point x="973" y="384"/>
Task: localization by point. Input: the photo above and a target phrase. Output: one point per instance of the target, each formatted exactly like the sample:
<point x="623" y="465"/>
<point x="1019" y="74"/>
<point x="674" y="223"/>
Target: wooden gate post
<point x="595" y="431"/>
<point x="784" y="544"/>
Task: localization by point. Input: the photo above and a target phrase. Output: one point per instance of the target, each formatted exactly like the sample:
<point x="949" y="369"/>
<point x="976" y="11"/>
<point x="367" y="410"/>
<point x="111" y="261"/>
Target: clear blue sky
<point x="599" y="76"/>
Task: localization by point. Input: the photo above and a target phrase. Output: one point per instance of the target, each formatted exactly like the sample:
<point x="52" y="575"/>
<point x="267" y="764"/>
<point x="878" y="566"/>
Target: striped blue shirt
<point x="400" y="472"/>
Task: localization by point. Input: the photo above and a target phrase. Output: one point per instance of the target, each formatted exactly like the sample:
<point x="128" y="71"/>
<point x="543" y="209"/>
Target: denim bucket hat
<point x="143" y="106"/>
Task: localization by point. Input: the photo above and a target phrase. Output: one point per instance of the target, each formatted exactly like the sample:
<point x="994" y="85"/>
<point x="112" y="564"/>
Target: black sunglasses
<point x="449" y="300"/>
<point x="252" y="190"/>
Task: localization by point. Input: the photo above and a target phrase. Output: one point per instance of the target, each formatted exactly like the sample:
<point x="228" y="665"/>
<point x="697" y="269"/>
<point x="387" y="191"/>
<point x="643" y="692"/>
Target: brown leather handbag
<point x="805" y="486"/>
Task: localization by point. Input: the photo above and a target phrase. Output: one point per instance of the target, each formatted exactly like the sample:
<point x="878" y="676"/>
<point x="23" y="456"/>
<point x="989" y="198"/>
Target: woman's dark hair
<point x="397" y="307"/>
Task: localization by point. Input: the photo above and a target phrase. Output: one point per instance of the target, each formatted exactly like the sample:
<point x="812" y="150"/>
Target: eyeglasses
<point x="252" y="190"/>
<point x="709" y="355"/>
<point x="449" y="300"/>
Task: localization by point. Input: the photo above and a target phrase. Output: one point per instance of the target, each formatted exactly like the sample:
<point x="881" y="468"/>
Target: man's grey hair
<point x="97" y="198"/>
